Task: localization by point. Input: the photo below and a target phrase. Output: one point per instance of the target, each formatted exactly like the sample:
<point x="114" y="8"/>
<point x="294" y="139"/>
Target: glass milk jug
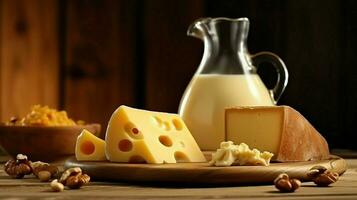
<point x="226" y="77"/>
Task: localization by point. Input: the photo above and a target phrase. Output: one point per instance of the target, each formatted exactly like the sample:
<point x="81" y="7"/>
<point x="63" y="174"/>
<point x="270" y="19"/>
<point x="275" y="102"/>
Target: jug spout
<point x="221" y="32"/>
<point x="199" y="28"/>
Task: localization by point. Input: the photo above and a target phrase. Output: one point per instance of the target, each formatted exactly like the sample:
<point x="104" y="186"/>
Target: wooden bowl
<point x="43" y="143"/>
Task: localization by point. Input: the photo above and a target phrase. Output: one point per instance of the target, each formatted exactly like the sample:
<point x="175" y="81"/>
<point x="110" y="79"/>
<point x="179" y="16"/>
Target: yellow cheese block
<point x="135" y="135"/>
<point x="277" y="129"/>
<point x="89" y="147"/>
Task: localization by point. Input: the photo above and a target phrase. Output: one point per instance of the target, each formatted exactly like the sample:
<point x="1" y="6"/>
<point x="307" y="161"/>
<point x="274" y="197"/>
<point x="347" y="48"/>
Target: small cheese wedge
<point x="135" y="135"/>
<point x="277" y="129"/>
<point x="89" y="147"/>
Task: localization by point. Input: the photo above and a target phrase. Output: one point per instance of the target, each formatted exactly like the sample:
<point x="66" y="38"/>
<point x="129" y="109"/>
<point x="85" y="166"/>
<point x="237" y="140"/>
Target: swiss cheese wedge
<point x="89" y="147"/>
<point x="277" y="129"/>
<point x="135" y="135"/>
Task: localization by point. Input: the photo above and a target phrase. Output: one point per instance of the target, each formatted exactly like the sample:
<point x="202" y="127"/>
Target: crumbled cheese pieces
<point x="229" y="154"/>
<point x="44" y="116"/>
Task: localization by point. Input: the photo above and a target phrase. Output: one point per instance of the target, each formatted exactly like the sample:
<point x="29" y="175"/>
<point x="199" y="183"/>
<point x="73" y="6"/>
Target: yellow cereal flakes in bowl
<point x="43" y="134"/>
<point x="44" y="116"/>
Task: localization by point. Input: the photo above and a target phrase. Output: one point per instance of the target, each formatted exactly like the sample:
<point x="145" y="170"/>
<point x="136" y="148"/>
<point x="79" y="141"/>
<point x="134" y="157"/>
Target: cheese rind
<point x="89" y="147"/>
<point x="277" y="129"/>
<point x="135" y="135"/>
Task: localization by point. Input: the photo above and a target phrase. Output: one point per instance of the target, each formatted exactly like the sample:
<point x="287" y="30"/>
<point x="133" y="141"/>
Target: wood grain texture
<point x="171" y="56"/>
<point x="201" y="173"/>
<point x="31" y="188"/>
<point x="139" y="51"/>
<point x="28" y="55"/>
<point x="99" y="59"/>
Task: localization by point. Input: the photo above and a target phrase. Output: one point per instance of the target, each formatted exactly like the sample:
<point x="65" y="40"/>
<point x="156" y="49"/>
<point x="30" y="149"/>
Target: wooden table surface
<point x="31" y="188"/>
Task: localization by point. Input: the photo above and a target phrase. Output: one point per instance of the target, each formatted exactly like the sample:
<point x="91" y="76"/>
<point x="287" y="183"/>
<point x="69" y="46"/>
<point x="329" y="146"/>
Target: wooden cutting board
<point x="201" y="173"/>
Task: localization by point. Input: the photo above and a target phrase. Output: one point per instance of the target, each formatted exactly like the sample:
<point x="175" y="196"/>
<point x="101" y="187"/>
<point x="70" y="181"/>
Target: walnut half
<point x="39" y="166"/>
<point x="18" y="168"/>
<point x="322" y="177"/>
<point x="73" y="178"/>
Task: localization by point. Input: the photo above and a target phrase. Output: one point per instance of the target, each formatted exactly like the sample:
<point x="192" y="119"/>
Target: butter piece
<point x="89" y="147"/>
<point x="135" y="135"/>
<point x="229" y="154"/>
<point x="277" y="129"/>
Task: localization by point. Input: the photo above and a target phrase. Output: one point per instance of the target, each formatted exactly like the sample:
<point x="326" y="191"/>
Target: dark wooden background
<point x="90" y="56"/>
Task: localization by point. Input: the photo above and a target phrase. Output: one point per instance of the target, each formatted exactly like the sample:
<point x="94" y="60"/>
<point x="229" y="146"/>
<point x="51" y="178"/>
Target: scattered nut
<point x="322" y="177"/>
<point x="38" y="164"/>
<point x="73" y="178"/>
<point x="326" y="179"/>
<point x="69" y="172"/>
<point x="44" y="176"/>
<point x="84" y="179"/>
<point x="77" y="181"/>
<point x="56" y="186"/>
<point x="73" y="182"/>
<point x="284" y="184"/>
<point x="42" y="166"/>
<point x="18" y="168"/>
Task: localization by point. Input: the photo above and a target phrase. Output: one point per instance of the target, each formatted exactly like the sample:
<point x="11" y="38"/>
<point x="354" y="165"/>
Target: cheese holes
<point x="167" y="126"/>
<point x="181" y="157"/>
<point x="132" y="130"/>
<point x="182" y="144"/>
<point x="157" y="121"/>
<point x="125" y="145"/>
<point x="135" y="131"/>
<point x="87" y="147"/>
<point x="137" y="159"/>
<point x="165" y="140"/>
<point x="177" y="124"/>
<point x="164" y="125"/>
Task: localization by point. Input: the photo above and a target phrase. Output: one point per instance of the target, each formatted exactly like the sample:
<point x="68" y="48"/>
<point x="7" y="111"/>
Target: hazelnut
<point x="56" y="186"/>
<point x="284" y="184"/>
<point x="18" y="168"/>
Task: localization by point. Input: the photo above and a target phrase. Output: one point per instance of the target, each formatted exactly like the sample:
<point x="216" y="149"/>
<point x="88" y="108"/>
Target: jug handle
<point x="282" y="80"/>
